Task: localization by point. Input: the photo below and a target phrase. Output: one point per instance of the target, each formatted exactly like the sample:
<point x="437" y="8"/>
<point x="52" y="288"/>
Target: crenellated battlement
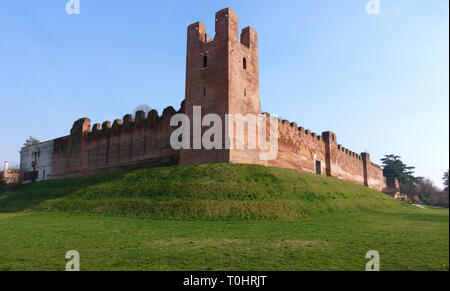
<point x="348" y="152"/>
<point x="294" y="130"/>
<point x="226" y="27"/>
<point x="377" y="166"/>
<point x="106" y="126"/>
<point x="83" y="125"/>
<point x="133" y="141"/>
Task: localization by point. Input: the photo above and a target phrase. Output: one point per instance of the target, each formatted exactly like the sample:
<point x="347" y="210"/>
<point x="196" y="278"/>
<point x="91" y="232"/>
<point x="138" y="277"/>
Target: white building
<point x="36" y="162"/>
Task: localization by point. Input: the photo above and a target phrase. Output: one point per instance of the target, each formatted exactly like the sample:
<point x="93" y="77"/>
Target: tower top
<point x="226" y="28"/>
<point x="222" y="76"/>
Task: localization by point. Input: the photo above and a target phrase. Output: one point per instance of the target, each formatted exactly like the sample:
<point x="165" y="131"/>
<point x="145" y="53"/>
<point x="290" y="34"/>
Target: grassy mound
<point x="199" y="192"/>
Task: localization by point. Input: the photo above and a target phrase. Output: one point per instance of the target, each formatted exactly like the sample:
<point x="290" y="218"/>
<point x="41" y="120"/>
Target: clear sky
<point x="380" y="82"/>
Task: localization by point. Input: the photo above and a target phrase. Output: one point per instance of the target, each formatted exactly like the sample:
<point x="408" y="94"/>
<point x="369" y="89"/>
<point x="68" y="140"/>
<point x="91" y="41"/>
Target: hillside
<point x="216" y="217"/>
<point x="205" y="191"/>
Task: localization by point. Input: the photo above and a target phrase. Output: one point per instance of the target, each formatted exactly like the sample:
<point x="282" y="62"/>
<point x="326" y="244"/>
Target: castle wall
<point x="375" y="177"/>
<point x="347" y="165"/>
<point x="126" y="145"/>
<point x="60" y="156"/>
<point x="145" y="143"/>
<point x="222" y="78"/>
<point x="299" y="149"/>
<point x="305" y="151"/>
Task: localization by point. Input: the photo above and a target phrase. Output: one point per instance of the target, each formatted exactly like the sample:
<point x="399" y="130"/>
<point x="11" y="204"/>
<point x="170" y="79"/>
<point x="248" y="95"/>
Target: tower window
<point x="244" y="63"/>
<point x="204" y="91"/>
<point x="205" y="61"/>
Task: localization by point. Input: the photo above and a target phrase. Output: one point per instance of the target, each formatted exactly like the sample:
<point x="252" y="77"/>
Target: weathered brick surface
<point x="300" y="149"/>
<point x="60" y="157"/>
<point x="126" y="145"/>
<point x="223" y="85"/>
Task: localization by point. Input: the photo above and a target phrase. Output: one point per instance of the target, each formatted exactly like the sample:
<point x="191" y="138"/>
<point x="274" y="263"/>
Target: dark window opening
<point x="205" y="61"/>
<point x="204" y="91"/>
<point x="30" y="176"/>
<point x="245" y="92"/>
<point x="318" y="168"/>
<point x="244" y="62"/>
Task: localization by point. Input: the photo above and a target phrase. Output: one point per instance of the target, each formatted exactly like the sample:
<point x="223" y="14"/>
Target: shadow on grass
<point x="31" y="195"/>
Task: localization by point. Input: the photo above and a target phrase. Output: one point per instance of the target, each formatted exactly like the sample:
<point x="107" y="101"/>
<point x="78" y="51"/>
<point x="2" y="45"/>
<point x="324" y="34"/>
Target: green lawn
<point x="411" y="240"/>
<point x="216" y="217"/>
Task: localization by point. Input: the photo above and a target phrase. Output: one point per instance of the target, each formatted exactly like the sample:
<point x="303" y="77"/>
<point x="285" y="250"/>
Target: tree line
<point x="410" y="184"/>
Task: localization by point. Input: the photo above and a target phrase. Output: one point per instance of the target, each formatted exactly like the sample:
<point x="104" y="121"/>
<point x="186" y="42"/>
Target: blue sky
<point x="380" y="82"/>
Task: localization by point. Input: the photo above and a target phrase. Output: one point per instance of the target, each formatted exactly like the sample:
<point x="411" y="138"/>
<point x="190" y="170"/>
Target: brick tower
<point x="222" y="77"/>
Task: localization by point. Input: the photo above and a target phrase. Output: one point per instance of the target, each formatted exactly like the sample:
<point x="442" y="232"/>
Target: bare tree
<point x="424" y="188"/>
<point x="31" y="141"/>
<point x="143" y="107"/>
<point x="440" y="199"/>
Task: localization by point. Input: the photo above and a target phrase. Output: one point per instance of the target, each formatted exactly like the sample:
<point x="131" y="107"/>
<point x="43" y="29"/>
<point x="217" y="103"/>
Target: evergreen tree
<point x="395" y="168"/>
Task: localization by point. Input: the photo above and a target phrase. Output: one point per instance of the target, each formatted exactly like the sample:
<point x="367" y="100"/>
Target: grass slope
<point x="216" y="217"/>
<point x="200" y="192"/>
